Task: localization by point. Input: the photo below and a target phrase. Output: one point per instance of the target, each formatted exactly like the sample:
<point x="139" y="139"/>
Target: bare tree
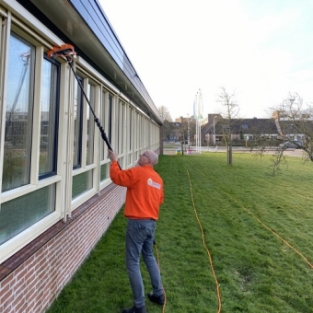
<point x="165" y="113"/>
<point x="185" y="127"/>
<point x="229" y="112"/>
<point x="167" y="121"/>
<point x="294" y="122"/>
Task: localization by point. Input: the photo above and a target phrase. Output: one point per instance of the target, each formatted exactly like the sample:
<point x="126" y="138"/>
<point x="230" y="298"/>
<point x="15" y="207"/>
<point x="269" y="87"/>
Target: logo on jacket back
<point x="153" y="184"/>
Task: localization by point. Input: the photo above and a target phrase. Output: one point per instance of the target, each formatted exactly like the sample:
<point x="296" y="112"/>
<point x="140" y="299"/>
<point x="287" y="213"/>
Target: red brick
<point x="4" y="289"/>
<point x="7" y="303"/>
<point x="6" y="295"/>
<point x="53" y="265"/>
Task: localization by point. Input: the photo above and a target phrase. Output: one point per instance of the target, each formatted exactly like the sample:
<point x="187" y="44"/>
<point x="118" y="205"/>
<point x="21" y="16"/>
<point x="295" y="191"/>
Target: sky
<point x="258" y="50"/>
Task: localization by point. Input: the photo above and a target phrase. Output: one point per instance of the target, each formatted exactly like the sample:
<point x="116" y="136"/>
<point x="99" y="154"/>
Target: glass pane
<point x="49" y="121"/>
<point x="110" y="119"/>
<point x="117" y="128"/>
<point x="90" y="125"/>
<point x="81" y="183"/>
<point x="121" y="122"/>
<point x="130" y="128"/>
<point x="104" y="172"/>
<point x="102" y="112"/>
<point x="18" y="123"/>
<point x="21" y="213"/>
<point x="78" y="104"/>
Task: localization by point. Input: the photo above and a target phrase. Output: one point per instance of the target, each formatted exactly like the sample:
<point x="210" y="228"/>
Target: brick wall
<point x="32" y="278"/>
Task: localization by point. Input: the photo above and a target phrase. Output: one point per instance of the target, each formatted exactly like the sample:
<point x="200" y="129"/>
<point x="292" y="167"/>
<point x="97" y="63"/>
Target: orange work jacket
<point x="144" y="190"/>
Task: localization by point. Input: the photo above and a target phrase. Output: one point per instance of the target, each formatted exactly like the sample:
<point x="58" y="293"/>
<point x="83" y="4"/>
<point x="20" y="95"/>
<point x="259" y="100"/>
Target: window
<point x="19" y="214"/>
<point x="26" y="209"/>
<point x="103" y="114"/>
<point x="18" y="121"/>
<point x="81" y="183"/>
<point x="130" y="136"/>
<point x="84" y="128"/>
<point x="104" y="169"/>
<point x="117" y="127"/>
<point x="130" y="128"/>
<point x="49" y="120"/>
<point x="90" y="125"/>
<point x="120" y="122"/>
<point x="78" y="121"/>
<point x="104" y="172"/>
<point x="110" y="118"/>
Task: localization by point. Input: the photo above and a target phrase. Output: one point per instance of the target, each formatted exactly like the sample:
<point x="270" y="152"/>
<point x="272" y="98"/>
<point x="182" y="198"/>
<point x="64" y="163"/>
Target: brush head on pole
<point x="65" y="50"/>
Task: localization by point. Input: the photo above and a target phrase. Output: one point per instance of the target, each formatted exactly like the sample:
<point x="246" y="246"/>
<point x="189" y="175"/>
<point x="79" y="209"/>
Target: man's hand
<point x="113" y="156"/>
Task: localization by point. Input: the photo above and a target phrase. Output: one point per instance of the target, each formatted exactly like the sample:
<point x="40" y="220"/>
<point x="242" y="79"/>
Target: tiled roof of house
<point x="247" y="126"/>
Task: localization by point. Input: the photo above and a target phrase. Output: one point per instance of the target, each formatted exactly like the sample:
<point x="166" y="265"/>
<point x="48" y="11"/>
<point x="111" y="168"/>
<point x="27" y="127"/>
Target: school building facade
<point x="57" y="199"/>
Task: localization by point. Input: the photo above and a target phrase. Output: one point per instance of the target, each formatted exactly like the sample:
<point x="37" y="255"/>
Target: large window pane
<point x="49" y="120"/>
<point x="130" y="129"/>
<point x="110" y="119"/>
<point x="103" y="122"/>
<point x="18" y="123"/>
<point x="81" y="183"/>
<point x="121" y="124"/>
<point x="21" y="213"/>
<point x="118" y="123"/>
<point x="78" y="118"/>
<point x="90" y="125"/>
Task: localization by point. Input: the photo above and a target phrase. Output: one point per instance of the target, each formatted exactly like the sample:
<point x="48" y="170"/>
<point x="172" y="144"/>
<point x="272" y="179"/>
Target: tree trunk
<point x="229" y="154"/>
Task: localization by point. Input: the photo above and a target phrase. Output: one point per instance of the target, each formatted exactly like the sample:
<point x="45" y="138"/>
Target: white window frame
<point x="11" y="246"/>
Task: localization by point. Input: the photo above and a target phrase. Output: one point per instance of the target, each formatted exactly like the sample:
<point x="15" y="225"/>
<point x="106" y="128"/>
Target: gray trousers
<point x="139" y="241"/>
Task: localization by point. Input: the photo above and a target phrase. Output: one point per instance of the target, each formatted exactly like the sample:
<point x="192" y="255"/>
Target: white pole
<point x="199" y="121"/>
<point x="196" y="117"/>
<point x="188" y="131"/>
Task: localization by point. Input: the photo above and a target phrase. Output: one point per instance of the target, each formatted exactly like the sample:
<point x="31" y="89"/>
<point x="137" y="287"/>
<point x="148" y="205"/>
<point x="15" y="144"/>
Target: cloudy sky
<point x="258" y="49"/>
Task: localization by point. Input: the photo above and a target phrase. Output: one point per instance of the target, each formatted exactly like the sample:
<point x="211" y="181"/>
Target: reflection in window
<point x="110" y="118"/>
<point x="21" y="213"/>
<point x="90" y="125"/>
<point x="121" y="125"/>
<point x="130" y="128"/>
<point x="78" y="118"/>
<point x="18" y="122"/>
<point x="49" y="121"/>
<point x="103" y="115"/>
<point x="130" y="134"/>
<point x="104" y="174"/>
<point x="118" y="126"/>
<point x="81" y="183"/>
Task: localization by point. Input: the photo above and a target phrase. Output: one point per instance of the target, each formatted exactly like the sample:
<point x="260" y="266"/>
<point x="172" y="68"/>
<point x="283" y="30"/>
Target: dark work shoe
<point x="135" y="310"/>
<point x="156" y="299"/>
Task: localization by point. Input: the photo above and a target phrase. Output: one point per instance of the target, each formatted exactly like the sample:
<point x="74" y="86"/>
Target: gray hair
<point x="154" y="158"/>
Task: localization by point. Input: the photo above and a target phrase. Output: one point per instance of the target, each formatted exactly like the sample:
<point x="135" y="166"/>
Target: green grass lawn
<point x="239" y="207"/>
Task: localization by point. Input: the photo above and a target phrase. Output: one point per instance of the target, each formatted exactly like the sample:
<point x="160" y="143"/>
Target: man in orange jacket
<point x="144" y="197"/>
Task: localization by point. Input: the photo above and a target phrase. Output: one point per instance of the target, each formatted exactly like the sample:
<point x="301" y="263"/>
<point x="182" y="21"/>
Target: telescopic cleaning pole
<point x="67" y="51"/>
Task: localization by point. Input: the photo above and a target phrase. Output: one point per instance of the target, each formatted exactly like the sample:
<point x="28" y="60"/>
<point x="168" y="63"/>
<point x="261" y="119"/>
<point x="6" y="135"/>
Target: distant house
<point x="176" y="131"/>
<point x="298" y="126"/>
<point x="240" y="129"/>
<point x="243" y="130"/>
<point x="182" y="125"/>
<point x="301" y="130"/>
